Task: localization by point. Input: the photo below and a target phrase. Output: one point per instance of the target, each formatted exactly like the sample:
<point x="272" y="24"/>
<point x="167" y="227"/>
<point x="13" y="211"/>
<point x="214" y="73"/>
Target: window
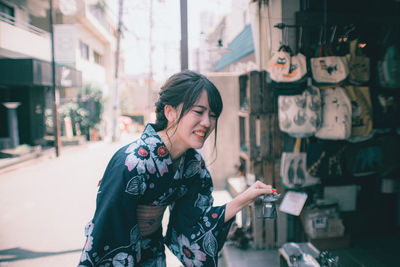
<point x="98" y="59"/>
<point x="7" y="12"/>
<point x="84" y="48"/>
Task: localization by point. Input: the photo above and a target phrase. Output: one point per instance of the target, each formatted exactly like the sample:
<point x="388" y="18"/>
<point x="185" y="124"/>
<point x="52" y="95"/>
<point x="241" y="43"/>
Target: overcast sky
<point x="165" y="35"/>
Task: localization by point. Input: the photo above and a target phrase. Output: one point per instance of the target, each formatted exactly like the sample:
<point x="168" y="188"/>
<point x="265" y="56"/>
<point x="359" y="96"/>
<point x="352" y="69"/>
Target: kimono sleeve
<point x="113" y="236"/>
<point x="197" y="230"/>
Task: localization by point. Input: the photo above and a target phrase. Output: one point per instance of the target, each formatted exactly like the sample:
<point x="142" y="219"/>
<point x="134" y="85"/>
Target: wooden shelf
<point x="260" y="139"/>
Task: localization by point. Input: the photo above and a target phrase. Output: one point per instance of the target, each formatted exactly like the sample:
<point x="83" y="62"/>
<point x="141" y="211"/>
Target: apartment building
<point x="85" y="44"/>
<point x="85" y="38"/>
<point x="26" y="94"/>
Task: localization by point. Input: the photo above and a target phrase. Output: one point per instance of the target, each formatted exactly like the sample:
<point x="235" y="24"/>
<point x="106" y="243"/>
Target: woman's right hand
<point x="248" y="196"/>
<point x="255" y="190"/>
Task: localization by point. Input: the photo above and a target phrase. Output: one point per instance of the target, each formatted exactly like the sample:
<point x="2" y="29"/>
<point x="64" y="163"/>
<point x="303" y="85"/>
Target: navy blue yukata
<point x="141" y="173"/>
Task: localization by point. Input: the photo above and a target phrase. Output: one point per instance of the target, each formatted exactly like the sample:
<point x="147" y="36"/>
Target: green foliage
<point x="91" y="98"/>
<point x="78" y="116"/>
<point x="87" y="112"/>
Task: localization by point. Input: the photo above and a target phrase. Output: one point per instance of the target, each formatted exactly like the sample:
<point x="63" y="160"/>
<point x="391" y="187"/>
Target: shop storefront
<point x="28" y="84"/>
<point x="321" y="124"/>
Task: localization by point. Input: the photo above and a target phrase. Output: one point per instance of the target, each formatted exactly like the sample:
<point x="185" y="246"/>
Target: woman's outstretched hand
<point x="248" y="196"/>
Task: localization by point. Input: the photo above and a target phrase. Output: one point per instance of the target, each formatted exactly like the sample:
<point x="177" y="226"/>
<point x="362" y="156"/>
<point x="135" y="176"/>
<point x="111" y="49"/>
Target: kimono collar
<point x="149" y="131"/>
<point x="151" y="137"/>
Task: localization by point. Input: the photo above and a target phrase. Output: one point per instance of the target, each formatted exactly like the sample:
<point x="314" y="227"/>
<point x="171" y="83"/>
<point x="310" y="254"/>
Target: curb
<point x="12" y="163"/>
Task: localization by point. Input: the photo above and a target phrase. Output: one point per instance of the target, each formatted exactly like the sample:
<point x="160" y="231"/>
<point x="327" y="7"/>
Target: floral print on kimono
<point x="142" y="173"/>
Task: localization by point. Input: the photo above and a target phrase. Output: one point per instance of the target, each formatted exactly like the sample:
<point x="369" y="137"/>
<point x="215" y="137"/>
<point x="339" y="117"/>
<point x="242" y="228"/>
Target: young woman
<point x="162" y="168"/>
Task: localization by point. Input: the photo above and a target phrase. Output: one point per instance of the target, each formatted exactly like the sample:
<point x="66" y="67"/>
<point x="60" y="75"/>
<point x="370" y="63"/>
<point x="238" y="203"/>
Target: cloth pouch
<point x="359" y="65"/>
<point x="300" y="115"/>
<point x="336" y="115"/>
<point x="361" y="112"/>
<point x="293" y="169"/>
<point x="283" y="67"/>
<point x="287" y="74"/>
<point x="388" y="68"/>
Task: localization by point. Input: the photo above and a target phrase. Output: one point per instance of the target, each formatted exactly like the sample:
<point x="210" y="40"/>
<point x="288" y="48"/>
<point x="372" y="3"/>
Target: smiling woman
<point x="163" y="168"/>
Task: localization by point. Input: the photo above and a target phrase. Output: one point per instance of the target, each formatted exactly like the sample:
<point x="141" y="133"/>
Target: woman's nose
<point x="205" y="120"/>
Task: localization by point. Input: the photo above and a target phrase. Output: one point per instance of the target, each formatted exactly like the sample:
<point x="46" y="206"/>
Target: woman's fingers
<point x="261" y="185"/>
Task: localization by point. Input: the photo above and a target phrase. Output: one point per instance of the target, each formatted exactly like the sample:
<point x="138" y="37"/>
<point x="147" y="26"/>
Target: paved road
<point x="45" y="204"/>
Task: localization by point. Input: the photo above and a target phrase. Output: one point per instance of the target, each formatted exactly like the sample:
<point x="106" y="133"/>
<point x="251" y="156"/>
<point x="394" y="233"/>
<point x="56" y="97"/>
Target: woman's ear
<point x="170" y="113"/>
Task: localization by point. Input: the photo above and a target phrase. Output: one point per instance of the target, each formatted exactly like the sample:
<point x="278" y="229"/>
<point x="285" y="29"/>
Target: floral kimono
<point x="141" y="173"/>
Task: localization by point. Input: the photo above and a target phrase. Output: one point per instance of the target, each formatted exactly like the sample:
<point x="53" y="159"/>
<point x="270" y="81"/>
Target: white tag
<point x="293" y="203"/>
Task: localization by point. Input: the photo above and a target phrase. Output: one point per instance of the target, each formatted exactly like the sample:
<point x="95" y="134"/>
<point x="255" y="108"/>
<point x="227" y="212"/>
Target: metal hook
<point x="321" y="32"/>
<point x="333" y="34"/>
<point x="352" y="28"/>
<point x="285" y="36"/>
<point x="300" y="42"/>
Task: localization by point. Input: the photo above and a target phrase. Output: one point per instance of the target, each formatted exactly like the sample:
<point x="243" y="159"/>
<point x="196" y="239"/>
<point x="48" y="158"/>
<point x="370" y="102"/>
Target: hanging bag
<point x="389" y="68"/>
<point x="293" y="169"/>
<point x="386" y="109"/>
<point x="328" y="69"/>
<point x="300" y="115"/>
<point x="359" y="66"/>
<point x="283" y="67"/>
<point x="361" y="113"/>
<point x="363" y="158"/>
<point x="287" y="74"/>
<point x="325" y="159"/>
<point x="336" y="115"/>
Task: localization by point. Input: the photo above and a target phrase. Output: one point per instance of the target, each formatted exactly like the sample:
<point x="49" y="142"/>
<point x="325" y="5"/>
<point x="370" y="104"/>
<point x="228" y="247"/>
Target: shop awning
<point x="241" y="46"/>
<point x="35" y="72"/>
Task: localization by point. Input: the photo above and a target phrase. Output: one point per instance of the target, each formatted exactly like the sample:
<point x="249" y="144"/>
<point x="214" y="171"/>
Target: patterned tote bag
<point x="300" y="115"/>
<point x="336" y="115"/>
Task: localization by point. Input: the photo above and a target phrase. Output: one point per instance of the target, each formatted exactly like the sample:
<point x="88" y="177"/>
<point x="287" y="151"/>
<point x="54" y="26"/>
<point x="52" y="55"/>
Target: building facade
<point x="84" y="50"/>
<point x="26" y="94"/>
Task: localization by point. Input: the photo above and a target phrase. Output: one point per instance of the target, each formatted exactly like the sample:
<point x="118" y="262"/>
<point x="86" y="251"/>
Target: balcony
<point x="19" y="39"/>
<point x="96" y="22"/>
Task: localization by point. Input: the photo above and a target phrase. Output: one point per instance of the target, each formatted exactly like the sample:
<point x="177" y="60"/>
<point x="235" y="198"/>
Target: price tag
<point x="293" y="203"/>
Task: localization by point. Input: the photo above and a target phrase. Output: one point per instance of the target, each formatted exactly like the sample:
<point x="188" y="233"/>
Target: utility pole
<point x="116" y="95"/>
<point x="184" y="36"/>
<point x="56" y="96"/>
<point x="151" y="48"/>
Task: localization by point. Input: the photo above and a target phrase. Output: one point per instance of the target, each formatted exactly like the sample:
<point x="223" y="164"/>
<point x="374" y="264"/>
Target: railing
<point x="23" y="25"/>
<point x="100" y="17"/>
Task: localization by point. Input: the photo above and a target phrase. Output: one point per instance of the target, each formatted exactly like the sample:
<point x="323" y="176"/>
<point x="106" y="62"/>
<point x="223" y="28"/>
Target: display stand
<point x="261" y="145"/>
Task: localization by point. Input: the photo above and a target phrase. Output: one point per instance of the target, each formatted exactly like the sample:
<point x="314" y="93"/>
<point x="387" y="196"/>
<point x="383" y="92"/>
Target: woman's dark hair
<point x="186" y="87"/>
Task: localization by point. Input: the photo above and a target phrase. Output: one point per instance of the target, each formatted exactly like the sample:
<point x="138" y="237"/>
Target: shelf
<point x="243" y="155"/>
<point x="243" y="114"/>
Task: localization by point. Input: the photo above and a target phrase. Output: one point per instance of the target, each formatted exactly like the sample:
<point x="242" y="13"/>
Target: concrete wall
<point x="238" y="20"/>
<point x="226" y="154"/>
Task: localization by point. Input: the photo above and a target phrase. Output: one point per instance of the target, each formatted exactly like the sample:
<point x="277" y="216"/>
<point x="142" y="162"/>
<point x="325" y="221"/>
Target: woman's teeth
<point x="202" y="134"/>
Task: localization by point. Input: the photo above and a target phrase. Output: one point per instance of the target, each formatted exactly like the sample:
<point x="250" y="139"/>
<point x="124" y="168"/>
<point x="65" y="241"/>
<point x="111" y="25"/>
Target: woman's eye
<point x="198" y="112"/>
<point x="213" y="115"/>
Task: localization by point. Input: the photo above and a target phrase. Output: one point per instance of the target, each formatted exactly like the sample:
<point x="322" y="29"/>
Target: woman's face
<point x="195" y="126"/>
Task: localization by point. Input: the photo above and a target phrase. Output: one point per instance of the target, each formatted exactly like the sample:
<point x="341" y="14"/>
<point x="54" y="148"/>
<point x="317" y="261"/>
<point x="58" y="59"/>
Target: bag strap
<point x="285" y="48"/>
<point x="297" y="145"/>
<point x="329" y="51"/>
<point x="324" y="51"/>
<point x="353" y="48"/>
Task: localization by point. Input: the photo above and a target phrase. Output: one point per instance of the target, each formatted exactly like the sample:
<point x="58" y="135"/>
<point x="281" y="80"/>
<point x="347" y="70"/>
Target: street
<point x="45" y="204"/>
